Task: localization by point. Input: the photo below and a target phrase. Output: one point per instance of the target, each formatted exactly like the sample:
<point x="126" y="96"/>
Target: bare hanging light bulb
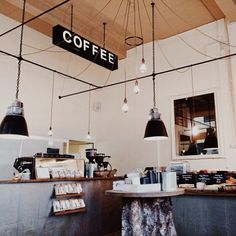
<point x="125" y="107"/>
<point x="136" y="87"/>
<point x="88" y="137"/>
<point x="50" y="133"/>
<point x="143" y="67"/>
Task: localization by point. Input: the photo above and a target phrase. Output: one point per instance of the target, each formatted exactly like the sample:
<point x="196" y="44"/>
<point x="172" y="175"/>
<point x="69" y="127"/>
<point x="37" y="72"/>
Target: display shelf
<point x="60" y="213"/>
<point x="69" y="195"/>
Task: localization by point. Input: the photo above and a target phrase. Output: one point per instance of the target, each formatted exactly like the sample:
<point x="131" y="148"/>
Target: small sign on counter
<point x="218" y="178"/>
<point x="205" y="178"/>
<point x="186" y="179"/>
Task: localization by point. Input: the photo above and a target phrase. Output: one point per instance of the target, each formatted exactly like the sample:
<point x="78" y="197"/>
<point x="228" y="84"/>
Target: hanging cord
<point x="154" y="90"/>
<point x="182" y="39"/>
<point x="123" y="27"/>
<point x="52" y="99"/>
<point x="125" y="85"/>
<point x="104" y="34"/>
<point x="189" y="24"/>
<point x="153" y="41"/>
<point x="71" y="17"/>
<point x="89" y="110"/>
<point x="193" y="100"/>
<point x="135" y="30"/>
<point x="153" y="56"/>
<point x="141" y="29"/>
<point x="20" y="51"/>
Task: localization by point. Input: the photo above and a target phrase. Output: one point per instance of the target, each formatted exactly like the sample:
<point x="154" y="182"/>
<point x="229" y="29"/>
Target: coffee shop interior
<point x="80" y="77"/>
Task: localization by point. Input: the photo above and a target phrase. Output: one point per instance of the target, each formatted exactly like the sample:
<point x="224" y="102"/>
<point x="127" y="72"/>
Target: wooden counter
<point x="212" y="193"/>
<point x="26" y="208"/>
<point x="16" y="181"/>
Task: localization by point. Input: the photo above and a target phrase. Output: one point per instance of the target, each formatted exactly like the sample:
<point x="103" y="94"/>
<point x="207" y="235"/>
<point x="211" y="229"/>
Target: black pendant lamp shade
<point x="211" y="139"/>
<point x="14" y="122"/>
<point x="155" y="129"/>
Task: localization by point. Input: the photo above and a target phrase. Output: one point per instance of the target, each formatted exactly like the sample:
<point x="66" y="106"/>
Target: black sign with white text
<point x="80" y="46"/>
<point x="205" y="178"/>
<point x="186" y="179"/>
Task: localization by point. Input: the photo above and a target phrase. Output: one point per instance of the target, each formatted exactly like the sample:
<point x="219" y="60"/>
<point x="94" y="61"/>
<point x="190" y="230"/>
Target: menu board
<point x="205" y="178"/>
<point x="218" y="178"/>
<point x="186" y="179"/>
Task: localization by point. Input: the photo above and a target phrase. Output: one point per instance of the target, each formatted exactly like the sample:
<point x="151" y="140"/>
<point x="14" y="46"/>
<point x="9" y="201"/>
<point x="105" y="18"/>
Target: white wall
<point x="117" y="134"/>
<point x="122" y="134"/>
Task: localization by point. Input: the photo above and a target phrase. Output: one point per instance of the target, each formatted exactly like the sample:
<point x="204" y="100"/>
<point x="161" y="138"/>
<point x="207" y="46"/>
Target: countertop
<point x="118" y="193"/>
<point x="19" y="181"/>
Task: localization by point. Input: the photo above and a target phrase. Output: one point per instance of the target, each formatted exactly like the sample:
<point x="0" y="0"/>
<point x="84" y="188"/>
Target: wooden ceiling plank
<point x="229" y="8"/>
<point x="213" y="9"/>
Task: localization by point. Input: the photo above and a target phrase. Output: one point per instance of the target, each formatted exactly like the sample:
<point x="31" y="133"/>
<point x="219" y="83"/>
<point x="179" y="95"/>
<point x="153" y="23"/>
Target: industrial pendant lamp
<point x="14" y="122"/>
<point x="155" y="129"/>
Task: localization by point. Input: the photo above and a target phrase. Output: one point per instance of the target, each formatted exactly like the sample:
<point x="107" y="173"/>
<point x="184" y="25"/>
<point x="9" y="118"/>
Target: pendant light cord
<point x="20" y="51"/>
<point x="193" y="100"/>
<point x="71" y="17"/>
<point x="89" y="111"/>
<point x="153" y="56"/>
<point x="52" y="98"/>
<point x="104" y="34"/>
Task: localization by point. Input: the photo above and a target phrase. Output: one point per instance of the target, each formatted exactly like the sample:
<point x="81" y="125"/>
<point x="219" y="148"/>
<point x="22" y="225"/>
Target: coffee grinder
<point x="90" y="155"/>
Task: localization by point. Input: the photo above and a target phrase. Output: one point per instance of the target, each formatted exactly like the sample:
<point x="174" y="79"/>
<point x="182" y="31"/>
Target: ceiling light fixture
<point x="14" y="122"/>
<point x="143" y="66"/>
<point x="155" y="129"/>
<point x="136" y="87"/>
<point x="125" y="107"/>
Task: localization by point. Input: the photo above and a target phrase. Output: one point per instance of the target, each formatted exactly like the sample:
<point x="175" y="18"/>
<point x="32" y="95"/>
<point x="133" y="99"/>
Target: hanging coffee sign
<point x="80" y="46"/>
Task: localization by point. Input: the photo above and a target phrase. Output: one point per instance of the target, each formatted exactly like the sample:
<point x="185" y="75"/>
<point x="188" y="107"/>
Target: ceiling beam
<point x="15" y="13"/>
<point x="215" y="11"/>
<point x="228" y="7"/>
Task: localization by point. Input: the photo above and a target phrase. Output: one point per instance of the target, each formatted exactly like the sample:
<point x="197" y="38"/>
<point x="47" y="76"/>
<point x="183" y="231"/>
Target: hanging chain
<point x="52" y="98"/>
<point x="20" y="51"/>
<point x="153" y="56"/>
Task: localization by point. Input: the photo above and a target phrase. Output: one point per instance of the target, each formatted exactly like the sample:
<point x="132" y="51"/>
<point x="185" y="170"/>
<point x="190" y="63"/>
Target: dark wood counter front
<point x="216" y="193"/>
<point x="26" y="208"/>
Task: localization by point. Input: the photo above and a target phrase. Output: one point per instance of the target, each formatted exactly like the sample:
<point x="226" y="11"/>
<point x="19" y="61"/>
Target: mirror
<point x="195" y="126"/>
